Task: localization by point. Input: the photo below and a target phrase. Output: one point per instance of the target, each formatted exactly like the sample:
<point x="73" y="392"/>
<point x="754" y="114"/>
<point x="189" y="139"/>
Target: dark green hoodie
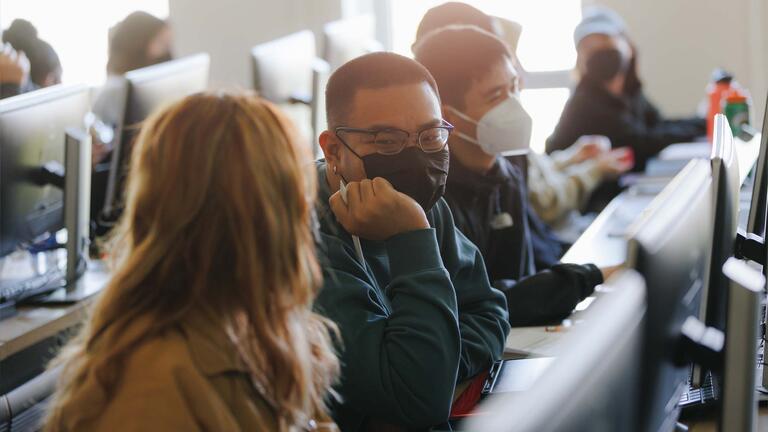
<point x="416" y="318"/>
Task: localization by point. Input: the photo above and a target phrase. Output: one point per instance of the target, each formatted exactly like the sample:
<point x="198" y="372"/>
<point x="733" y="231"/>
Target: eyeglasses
<point x="393" y="141"/>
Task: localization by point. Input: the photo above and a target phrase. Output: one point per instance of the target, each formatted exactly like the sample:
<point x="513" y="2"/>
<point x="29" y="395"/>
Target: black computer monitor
<point x="32" y="135"/>
<point x="738" y="407"/>
<point x="725" y="180"/>
<point x="757" y="209"/>
<point x="670" y="246"/>
<point x="592" y="384"/>
<point x="137" y="95"/>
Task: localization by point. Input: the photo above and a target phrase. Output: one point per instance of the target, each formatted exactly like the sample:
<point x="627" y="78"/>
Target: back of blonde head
<point x="218" y="210"/>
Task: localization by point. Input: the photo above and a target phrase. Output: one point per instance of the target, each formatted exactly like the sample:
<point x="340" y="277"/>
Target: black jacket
<point x="10" y="89"/>
<point x="508" y="244"/>
<point x="629" y="121"/>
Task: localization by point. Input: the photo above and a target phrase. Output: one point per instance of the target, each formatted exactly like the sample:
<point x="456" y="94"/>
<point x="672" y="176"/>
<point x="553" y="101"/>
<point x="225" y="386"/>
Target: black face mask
<point x="419" y="175"/>
<point x="603" y="65"/>
<point x="632" y="84"/>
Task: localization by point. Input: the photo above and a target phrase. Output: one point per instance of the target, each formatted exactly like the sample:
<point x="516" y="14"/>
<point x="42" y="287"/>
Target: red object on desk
<point x="716" y="95"/>
<point x="624" y="155"/>
<point x="465" y="404"/>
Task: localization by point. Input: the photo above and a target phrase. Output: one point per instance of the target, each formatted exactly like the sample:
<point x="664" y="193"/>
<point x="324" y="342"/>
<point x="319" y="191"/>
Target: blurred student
<point x="609" y="98"/>
<point x="137" y="41"/>
<point x="486" y="193"/>
<point x="409" y="292"/>
<point x="14" y="72"/>
<point x="26" y="61"/>
<point x="560" y="183"/>
<point x="206" y="323"/>
<point x="450" y="13"/>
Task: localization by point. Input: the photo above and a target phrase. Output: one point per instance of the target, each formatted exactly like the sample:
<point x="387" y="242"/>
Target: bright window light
<point x="544" y="106"/>
<point x="77" y="29"/>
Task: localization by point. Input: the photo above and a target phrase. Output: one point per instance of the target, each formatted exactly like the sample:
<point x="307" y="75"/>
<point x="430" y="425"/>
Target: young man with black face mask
<point x="609" y="99"/>
<point x="487" y="194"/>
<point x="408" y="291"/>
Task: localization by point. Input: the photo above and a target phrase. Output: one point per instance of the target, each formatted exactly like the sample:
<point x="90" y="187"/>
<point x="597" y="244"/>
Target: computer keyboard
<point x="17" y="291"/>
<point x="700" y="397"/>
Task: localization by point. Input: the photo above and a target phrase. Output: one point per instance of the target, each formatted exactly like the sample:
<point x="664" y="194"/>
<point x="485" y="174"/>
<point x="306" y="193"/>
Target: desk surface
<point x="35" y="323"/>
<point x="604" y="245"/>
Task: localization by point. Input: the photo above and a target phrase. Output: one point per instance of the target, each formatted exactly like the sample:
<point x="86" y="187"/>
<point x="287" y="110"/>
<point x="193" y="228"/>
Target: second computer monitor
<point x="143" y="91"/>
<point x="670" y="246"/>
<point x="725" y="179"/>
<point x="593" y="383"/>
<point x="32" y="135"/>
<point x="757" y="210"/>
<point x="738" y="405"/>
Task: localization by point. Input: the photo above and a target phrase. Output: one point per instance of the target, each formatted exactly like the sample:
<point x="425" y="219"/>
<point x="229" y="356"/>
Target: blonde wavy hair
<point x="218" y="213"/>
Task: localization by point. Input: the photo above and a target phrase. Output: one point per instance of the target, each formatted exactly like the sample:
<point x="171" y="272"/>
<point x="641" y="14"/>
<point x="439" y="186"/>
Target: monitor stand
<point x="77" y="200"/>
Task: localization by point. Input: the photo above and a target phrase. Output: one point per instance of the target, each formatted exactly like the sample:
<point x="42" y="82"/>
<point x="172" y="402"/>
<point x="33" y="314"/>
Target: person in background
<point x="138" y="41"/>
<point x="27" y="62"/>
<point x="409" y="292"/>
<point x="206" y="323"/>
<point x="564" y="182"/>
<point x="459" y="13"/>
<point x="609" y="98"/>
<point x="14" y="71"/>
<point x="560" y="183"/>
<point x="486" y="193"/>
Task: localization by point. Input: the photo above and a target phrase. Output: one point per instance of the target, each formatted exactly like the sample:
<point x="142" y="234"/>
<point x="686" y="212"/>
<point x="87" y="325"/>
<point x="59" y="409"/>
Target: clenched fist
<point x="376" y="211"/>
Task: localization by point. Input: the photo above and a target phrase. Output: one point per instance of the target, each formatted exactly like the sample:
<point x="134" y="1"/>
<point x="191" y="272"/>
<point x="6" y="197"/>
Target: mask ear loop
<point x="463" y="116"/>
<point x="355" y="239"/>
<point x="460" y="134"/>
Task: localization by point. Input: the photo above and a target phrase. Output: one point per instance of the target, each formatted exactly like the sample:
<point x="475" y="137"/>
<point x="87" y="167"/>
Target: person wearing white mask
<point x="562" y="182"/>
<point x="487" y="193"/>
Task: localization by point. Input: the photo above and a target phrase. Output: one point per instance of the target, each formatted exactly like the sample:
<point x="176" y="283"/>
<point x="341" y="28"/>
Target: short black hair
<point x="129" y="39"/>
<point x="370" y="71"/>
<point x="458" y="55"/>
<point x="43" y="60"/>
<point x="453" y="13"/>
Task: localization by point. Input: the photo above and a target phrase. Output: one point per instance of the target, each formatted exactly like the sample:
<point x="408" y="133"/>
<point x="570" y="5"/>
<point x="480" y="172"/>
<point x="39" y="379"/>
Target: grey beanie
<point x="598" y="20"/>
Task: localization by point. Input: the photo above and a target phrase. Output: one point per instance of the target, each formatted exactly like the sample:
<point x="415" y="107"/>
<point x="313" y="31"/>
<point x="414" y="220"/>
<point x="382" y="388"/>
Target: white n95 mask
<point x="506" y="128"/>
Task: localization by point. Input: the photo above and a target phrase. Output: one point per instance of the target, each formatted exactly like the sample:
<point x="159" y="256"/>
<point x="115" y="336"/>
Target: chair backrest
<point x="320" y="74"/>
<point x="5" y="415"/>
<point x="348" y="38"/>
<point x="24" y="408"/>
<point x="282" y="68"/>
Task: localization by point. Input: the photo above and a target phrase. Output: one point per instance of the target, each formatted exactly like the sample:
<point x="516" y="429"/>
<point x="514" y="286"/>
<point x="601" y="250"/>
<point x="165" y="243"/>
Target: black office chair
<point x="23" y="409"/>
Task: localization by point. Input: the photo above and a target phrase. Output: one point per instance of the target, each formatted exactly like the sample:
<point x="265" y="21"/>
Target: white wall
<point x="682" y="41"/>
<point x="227" y="29"/>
